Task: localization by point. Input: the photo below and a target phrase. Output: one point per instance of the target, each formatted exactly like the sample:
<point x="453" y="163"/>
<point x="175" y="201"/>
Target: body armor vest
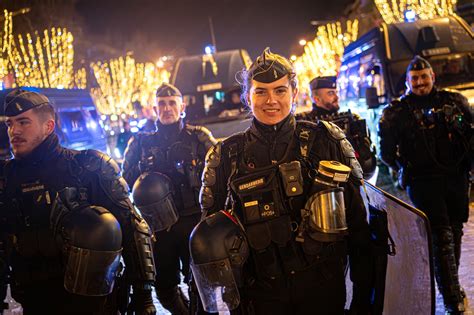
<point x="268" y="201"/>
<point x="29" y="221"/>
<point x="181" y="163"/>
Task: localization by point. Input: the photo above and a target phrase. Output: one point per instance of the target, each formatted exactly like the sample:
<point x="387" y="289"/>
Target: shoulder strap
<point x="306" y="137"/>
<point x="234" y="148"/>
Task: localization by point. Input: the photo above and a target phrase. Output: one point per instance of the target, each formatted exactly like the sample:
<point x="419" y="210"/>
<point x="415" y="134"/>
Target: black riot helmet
<point x="218" y="249"/>
<point x="153" y="195"/>
<point x="91" y="240"/>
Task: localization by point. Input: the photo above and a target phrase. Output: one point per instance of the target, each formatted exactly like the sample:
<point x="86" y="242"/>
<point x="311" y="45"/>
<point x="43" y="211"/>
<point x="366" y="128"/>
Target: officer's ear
<point x="295" y="94"/>
<point x="49" y="126"/>
<point x="183" y="107"/>
<point x="433" y="76"/>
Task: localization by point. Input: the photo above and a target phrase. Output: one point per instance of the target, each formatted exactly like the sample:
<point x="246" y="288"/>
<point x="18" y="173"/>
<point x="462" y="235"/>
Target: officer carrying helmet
<point x="66" y="221"/>
<point x="164" y="168"/>
<point x="264" y="176"/>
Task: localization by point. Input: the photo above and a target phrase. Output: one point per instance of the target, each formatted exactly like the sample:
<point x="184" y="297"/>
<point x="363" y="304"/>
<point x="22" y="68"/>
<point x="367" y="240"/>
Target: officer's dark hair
<point x="44" y="112"/>
<point x="268" y="67"/>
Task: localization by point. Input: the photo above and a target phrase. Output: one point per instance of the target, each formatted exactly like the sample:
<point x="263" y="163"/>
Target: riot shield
<point x="409" y="280"/>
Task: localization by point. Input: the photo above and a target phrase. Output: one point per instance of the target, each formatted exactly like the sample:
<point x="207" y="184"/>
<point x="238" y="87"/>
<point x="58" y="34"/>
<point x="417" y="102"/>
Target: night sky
<point x="179" y="27"/>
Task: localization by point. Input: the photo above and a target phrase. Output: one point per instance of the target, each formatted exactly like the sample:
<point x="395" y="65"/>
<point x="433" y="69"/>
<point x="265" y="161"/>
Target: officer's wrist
<point x="143" y="286"/>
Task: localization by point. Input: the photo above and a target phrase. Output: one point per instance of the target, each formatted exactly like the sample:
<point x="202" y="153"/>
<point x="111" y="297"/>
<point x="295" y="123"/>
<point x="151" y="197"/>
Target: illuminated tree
<point x="123" y="81"/>
<point x="393" y="11"/>
<point x="6" y="42"/>
<point x="44" y="61"/>
<point x="322" y="55"/>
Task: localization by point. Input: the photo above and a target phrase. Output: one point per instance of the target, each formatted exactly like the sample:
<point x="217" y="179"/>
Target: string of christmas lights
<point x="6" y="42"/>
<point x="122" y="82"/>
<point x="393" y="11"/>
<point x="45" y="61"/>
<point x="322" y="55"/>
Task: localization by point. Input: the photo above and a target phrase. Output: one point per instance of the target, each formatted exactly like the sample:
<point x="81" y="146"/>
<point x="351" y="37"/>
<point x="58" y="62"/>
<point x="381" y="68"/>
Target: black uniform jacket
<point x="30" y="187"/>
<point x="356" y="131"/>
<point x="429" y="136"/>
<point x="177" y="150"/>
<point x="264" y="146"/>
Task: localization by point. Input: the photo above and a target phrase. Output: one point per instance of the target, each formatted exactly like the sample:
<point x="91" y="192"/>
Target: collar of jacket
<point x="170" y="130"/>
<point x="269" y="133"/>
<point x="425" y="101"/>
<point x="47" y="150"/>
<point x="319" y="111"/>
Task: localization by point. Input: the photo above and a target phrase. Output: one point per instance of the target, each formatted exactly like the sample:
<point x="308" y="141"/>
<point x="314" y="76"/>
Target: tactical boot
<point x="446" y="270"/>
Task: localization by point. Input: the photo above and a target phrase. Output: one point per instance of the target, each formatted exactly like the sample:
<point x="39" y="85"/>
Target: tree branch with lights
<point x="394" y="11"/>
<point x="6" y="43"/>
<point x="322" y="55"/>
<point x="123" y="81"/>
<point x="46" y="60"/>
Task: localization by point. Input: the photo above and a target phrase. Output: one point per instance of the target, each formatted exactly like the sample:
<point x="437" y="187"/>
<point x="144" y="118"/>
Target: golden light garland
<point x="123" y="81"/>
<point x="80" y="78"/>
<point x="393" y="11"/>
<point x="322" y="55"/>
<point x="44" y="61"/>
<point x="6" y="42"/>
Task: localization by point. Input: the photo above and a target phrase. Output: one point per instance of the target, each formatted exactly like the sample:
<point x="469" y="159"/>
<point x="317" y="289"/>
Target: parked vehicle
<point x="207" y="82"/>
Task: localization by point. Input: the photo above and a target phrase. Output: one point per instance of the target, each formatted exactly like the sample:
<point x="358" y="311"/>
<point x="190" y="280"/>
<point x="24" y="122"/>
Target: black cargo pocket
<point x="264" y="255"/>
<point x="280" y="229"/>
<point x="259" y="236"/>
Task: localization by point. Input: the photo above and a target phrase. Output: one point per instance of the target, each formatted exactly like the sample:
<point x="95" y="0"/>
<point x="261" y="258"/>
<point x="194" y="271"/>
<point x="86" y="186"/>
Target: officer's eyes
<point x="260" y="92"/>
<point x="170" y="103"/>
<point x="281" y="91"/>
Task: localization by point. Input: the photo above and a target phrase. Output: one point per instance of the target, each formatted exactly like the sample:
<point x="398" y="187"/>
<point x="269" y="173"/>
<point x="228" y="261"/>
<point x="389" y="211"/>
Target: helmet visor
<point x="216" y="285"/>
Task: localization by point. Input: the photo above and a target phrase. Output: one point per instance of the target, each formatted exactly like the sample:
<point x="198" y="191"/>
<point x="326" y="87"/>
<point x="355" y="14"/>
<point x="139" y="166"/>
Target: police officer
<point x="425" y="137"/>
<point x="66" y="220"/>
<point x="168" y="164"/>
<point x="326" y="107"/>
<point x="263" y="177"/>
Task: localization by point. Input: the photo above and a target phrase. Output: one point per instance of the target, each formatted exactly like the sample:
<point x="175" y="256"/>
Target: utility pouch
<point x="292" y="179"/>
<point x="259" y="195"/>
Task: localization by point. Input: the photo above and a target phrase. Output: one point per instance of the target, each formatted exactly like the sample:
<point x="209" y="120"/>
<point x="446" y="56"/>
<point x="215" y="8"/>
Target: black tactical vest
<point x="270" y="212"/>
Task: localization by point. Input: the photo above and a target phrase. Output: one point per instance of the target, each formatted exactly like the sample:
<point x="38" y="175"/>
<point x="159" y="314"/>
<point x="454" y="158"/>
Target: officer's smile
<point x="271" y="110"/>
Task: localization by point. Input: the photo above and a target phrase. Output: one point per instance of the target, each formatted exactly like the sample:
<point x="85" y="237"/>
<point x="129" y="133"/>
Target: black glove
<point x="142" y="303"/>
